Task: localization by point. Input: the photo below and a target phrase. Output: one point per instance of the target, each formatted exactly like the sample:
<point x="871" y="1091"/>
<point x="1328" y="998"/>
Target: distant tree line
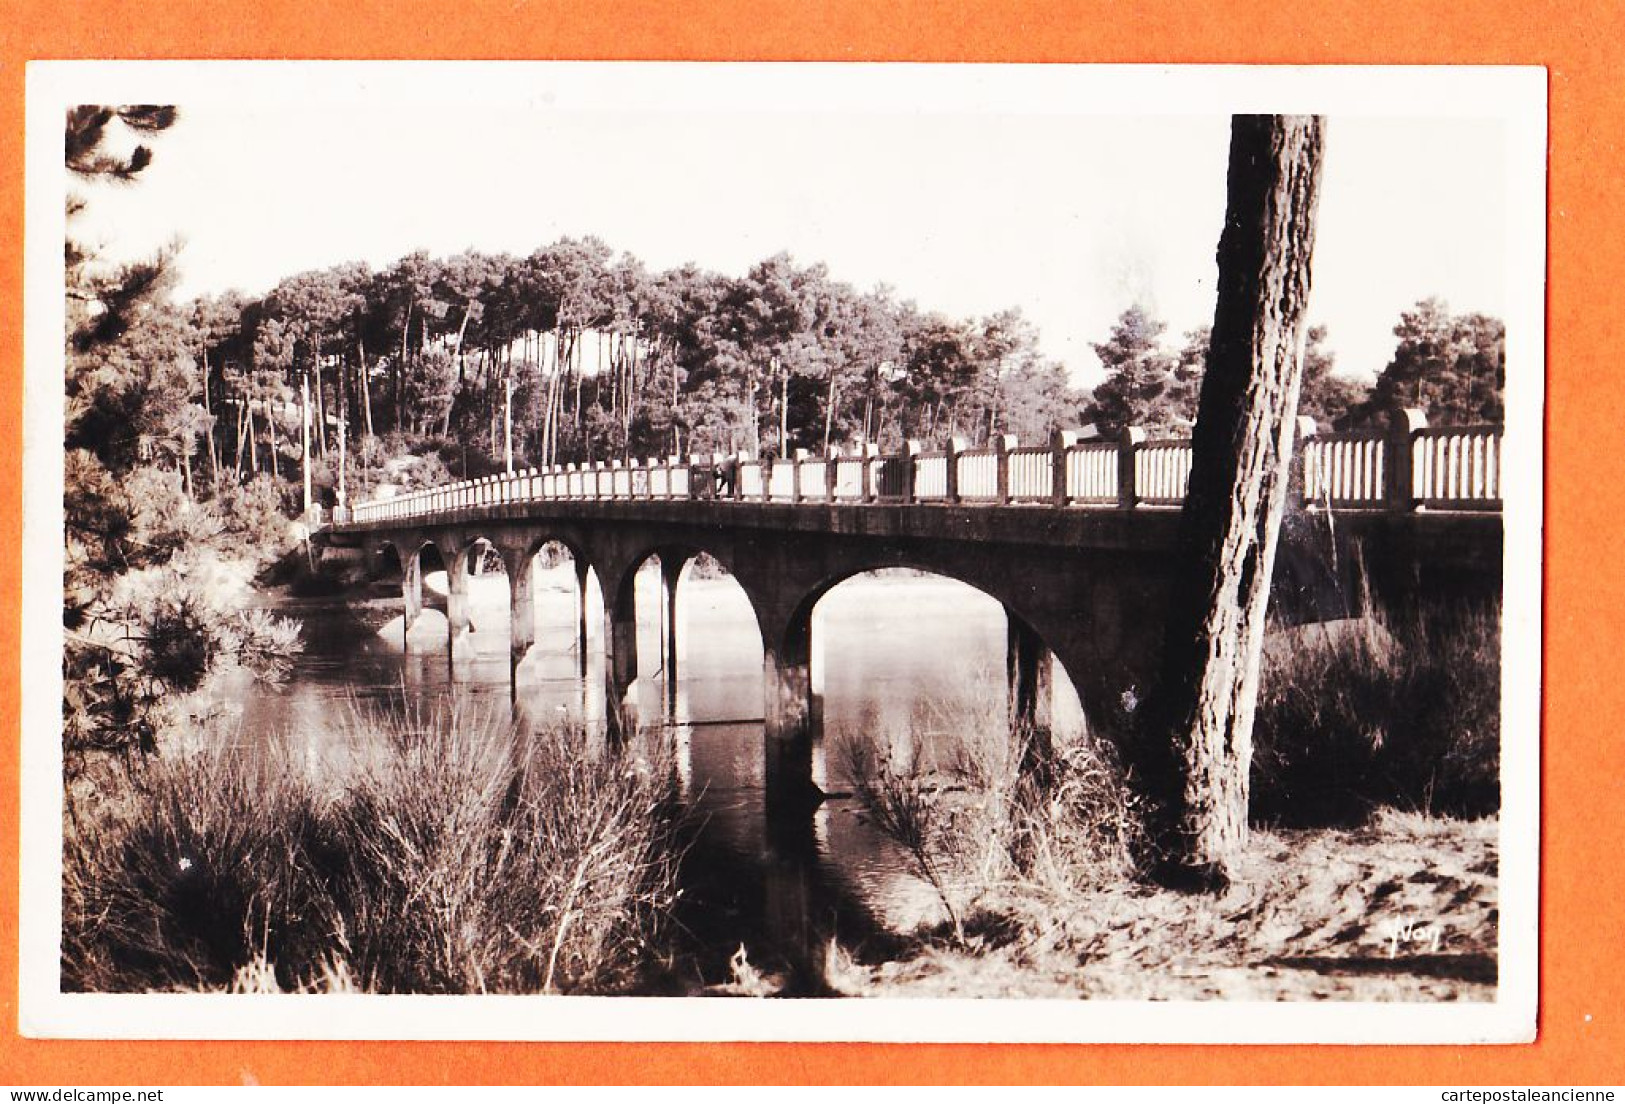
<point x="576" y="353"/>
<point x="1451" y="366"/>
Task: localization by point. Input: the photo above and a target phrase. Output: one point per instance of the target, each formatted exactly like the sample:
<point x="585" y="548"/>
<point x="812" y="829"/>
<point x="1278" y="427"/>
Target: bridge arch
<point x="523" y="560"/>
<point x="1027" y="662"/>
<point x="384" y="562"/>
<point x="623" y="563"/>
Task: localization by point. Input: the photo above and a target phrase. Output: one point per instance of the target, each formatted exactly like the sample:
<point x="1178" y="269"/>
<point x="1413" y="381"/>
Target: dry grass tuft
<point x="453" y="854"/>
<point x="1006" y="832"/>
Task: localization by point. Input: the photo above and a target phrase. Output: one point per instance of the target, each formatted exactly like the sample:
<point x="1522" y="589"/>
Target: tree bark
<point x="253" y="444"/>
<point x="321" y="406"/>
<point x="400" y="366"/>
<point x="208" y="410"/>
<point x="270" y="431"/>
<point x="366" y="388"/>
<point x="1195" y="753"/>
<point x="829" y="411"/>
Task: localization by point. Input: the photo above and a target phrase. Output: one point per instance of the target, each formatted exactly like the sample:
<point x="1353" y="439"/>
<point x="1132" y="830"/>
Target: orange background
<point x="1583" y="880"/>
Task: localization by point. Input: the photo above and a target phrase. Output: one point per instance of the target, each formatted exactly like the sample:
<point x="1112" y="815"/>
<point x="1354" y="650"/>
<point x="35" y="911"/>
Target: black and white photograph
<point x="766" y="551"/>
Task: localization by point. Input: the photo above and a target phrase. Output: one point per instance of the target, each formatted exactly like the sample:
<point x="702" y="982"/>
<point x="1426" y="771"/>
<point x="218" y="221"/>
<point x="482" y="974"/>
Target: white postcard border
<point x="1515" y="95"/>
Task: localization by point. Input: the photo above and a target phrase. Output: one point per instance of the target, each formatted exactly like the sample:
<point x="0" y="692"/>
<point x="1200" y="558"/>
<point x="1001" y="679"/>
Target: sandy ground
<point x="1402" y="910"/>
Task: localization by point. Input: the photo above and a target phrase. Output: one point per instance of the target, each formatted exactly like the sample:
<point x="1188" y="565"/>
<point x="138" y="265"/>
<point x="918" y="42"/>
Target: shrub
<point x="141" y="650"/>
<point x="254" y="517"/>
<point x="195" y="867"/>
<point x="1390" y="711"/>
<point x="440" y="854"/>
<point x="471" y="857"/>
<point x="1001" y="828"/>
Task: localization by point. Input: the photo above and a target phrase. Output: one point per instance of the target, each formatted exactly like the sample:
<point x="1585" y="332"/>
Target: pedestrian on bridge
<point x="727" y="473"/>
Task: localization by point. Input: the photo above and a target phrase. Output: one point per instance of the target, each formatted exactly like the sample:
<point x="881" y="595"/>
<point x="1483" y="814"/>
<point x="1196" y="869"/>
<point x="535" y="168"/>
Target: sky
<point x="967" y="190"/>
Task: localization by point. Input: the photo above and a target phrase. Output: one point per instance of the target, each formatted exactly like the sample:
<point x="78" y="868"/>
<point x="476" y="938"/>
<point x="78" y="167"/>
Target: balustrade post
<point x="1060" y="444"/>
<point x="797" y="459"/>
<point x="866" y="474"/>
<point x="911" y="470"/>
<point x="832" y="471"/>
<point x="1401" y="459"/>
<point x="1002" y="444"/>
<point x="1307" y="428"/>
<point x="1127" y="489"/>
<point x="951" y="450"/>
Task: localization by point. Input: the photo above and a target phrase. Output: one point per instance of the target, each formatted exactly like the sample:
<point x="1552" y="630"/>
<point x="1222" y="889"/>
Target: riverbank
<point x="1402" y="909"/>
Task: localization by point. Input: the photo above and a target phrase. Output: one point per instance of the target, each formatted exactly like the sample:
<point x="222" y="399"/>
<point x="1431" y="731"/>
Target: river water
<point x="908" y="660"/>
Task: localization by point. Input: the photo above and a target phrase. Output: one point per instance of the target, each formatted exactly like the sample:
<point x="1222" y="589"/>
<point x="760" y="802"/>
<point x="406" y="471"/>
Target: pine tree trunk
<point x="507" y="418"/>
<point x="1195" y="754"/>
<point x="366" y="387"/>
<point x="253" y="445"/>
<point x="574" y="361"/>
<point x="270" y="430"/>
<point x="784" y="414"/>
<point x="341" y="385"/>
<point x="400" y="368"/>
<point x="829" y="411"/>
<point x="208" y="409"/>
<point x="321" y="409"/>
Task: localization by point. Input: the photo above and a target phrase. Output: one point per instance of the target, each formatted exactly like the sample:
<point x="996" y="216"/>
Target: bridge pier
<point x="458" y="624"/>
<point x="521" y="608"/>
<point x="582" y="568"/>
<point x="620" y="651"/>
<point x="411" y="595"/>
<point x="671" y="570"/>
<point x="792" y="716"/>
<point x="1030" y="669"/>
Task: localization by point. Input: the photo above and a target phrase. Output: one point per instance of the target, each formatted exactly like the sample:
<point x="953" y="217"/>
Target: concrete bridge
<point x="1074" y="538"/>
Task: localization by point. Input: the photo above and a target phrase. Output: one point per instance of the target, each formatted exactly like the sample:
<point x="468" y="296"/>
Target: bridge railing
<point x="1162" y="469"/>
<point x="1458" y="467"/>
<point x="1410" y="467"/>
